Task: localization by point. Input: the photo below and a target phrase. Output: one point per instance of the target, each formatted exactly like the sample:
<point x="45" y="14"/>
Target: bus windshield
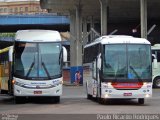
<point x="128" y="62"/>
<point x="37" y="61"/>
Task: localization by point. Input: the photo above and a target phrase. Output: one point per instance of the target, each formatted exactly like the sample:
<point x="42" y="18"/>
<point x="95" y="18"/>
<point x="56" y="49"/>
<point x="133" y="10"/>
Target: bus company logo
<point x="38" y="83"/>
<point x="37" y="86"/>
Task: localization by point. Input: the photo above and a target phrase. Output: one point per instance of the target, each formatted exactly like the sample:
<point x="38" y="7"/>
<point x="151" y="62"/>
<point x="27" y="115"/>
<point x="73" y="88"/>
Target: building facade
<point x="21" y="7"/>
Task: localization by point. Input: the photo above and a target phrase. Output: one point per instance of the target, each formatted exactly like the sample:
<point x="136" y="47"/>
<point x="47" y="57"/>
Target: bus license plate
<point x="127" y="94"/>
<point x="37" y="92"/>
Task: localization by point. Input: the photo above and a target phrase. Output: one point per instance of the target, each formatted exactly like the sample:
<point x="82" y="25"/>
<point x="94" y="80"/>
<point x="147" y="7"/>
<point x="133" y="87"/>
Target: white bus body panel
<point x="38" y="36"/>
<point x="116" y="39"/>
<point x="29" y="87"/>
<point x="108" y="91"/>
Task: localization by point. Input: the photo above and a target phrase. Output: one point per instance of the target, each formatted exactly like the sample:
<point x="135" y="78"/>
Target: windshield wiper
<point x="29" y="71"/>
<point x="30" y="68"/>
<point x="44" y="66"/>
<point x="139" y="79"/>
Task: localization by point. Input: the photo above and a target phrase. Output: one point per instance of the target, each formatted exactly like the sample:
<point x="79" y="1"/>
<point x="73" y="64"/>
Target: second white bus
<point x="118" y="67"/>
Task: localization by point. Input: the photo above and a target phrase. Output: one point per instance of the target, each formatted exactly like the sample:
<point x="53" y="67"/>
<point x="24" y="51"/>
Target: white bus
<point x="37" y="64"/>
<point x="118" y="67"/>
<point x="156" y="68"/>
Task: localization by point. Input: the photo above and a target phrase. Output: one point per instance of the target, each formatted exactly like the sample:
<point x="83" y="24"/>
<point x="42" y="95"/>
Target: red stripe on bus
<point x="127" y="85"/>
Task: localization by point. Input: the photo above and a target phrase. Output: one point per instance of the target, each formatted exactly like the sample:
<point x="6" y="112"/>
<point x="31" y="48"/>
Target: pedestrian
<point x="77" y="77"/>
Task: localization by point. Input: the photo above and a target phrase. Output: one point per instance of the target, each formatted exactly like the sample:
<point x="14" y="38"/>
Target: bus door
<point x="95" y="78"/>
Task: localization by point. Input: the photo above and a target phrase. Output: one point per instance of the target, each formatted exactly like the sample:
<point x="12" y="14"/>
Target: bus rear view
<point x="37" y="64"/>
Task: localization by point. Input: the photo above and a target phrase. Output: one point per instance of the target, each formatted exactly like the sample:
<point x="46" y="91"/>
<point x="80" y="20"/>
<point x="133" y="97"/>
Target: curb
<point x="71" y="84"/>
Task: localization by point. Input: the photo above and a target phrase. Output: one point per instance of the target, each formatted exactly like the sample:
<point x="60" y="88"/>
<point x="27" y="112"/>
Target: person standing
<point x="77" y="77"/>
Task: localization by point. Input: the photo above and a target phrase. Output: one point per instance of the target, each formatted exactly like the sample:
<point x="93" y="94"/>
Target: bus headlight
<point x="61" y="81"/>
<point x="58" y="83"/>
<point x="13" y="82"/>
<point x="106" y="96"/>
<point x="109" y="84"/>
<point x="147" y="96"/>
<point x="106" y="85"/>
<point x="19" y="84"/>
<point x="145" y="83"/>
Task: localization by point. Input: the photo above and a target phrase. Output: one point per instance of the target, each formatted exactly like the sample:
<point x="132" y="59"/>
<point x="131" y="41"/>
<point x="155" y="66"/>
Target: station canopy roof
<point x="118" y="10"/>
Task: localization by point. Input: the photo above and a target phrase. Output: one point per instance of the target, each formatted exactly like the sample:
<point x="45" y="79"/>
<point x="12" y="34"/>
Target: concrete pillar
<point x="85" y="37"/>
<point x="91" y="26"/>
<point x="78" y="57"/>
<point x="103" y="4"/>
<point x="72" y="37"/>
<point x="143" y="7"/>
<point x="76" y="37"/>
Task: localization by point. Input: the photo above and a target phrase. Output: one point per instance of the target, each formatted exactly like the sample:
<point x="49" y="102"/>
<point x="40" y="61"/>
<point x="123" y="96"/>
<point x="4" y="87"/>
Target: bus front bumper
<point x="21" y="91"/>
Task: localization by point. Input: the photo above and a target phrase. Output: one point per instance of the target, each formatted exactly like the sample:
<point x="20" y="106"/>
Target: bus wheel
<point x="156" y="82"/>
<point x="19" y="100"/>
<point x="89" y="96"/>
<point x="141" y="100"/>
<point x="4" y="92"/>
<point x="57" y="99"/>
<point x="102" y="101"/>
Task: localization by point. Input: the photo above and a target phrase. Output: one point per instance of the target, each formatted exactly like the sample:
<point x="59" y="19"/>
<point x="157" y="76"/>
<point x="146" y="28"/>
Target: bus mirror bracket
<point x="99" y="61"/>
<point x="154" y="61"/>
<point x="64" y="54"/>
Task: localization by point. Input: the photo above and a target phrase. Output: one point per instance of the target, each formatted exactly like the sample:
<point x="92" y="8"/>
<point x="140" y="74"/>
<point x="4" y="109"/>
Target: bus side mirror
<point x="99" y="61"/>
<point x="64" y="54"/>
<point x="155" y="65"/>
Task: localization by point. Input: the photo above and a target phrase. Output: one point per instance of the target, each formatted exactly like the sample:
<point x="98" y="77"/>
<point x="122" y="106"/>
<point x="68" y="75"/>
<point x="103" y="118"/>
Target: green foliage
<point x="7" y="34"/>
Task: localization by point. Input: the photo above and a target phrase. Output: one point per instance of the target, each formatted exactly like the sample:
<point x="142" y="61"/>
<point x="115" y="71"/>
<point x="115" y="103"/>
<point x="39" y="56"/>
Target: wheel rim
<point x="158" y="82"/>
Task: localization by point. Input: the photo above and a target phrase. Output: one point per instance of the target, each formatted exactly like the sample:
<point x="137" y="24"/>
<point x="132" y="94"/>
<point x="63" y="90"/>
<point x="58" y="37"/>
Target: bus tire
<point x="57" y="99"/>
<point x="19" y="100"/>
<point x="141" y="101"/>
<point x="4" y="91"/>
<point x="89" y="96"/>
<point x="102" y="101"/>
<point x="156" y="82"/>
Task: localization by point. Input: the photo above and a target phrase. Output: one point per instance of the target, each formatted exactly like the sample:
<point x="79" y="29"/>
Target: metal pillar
<point x="143" y="7"/>
<point x="103" y="17"/>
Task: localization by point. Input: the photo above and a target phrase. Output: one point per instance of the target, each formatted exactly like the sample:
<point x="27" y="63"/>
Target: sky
<point x="16" y="0"/>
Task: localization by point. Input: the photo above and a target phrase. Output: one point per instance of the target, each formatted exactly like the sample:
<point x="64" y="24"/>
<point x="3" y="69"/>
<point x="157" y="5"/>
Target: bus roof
<point x="37" y="36"/>
<point x="118" y="39"/>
